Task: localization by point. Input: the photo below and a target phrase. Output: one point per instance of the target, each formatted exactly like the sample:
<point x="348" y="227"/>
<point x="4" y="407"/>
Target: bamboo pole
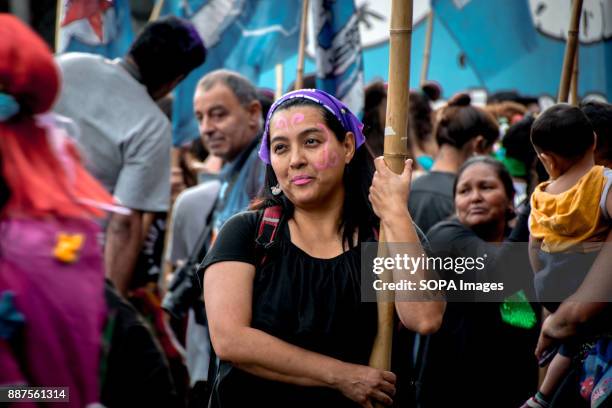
<point x="299" y="78"/>
<point x="427" y="49"/>
<point x="159" y="4"/>
<point x="395" y="152"/>
<point x="58" y="23"/>
<point x="570" y="51"/>
<point x="573" y="97"/>
<point x="279" y="81"/>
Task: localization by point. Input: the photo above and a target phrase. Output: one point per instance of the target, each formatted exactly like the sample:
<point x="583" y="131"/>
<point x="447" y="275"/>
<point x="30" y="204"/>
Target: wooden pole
<point x="58" y="23"/>
<point x="159" y="4"/>
<point x="427" y="50"/>
<point x="570" y="51"/>
<point x="279" y="81"/>
<point x="395" y="152"/>
<point x="573" y="97"/>
<point x="299" y="78"/>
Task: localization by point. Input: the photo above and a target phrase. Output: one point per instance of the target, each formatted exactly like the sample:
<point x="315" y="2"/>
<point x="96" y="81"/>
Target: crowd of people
<point x="229" y="272"/>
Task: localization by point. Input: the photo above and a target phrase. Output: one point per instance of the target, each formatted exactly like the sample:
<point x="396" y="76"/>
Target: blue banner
<point x="492" y="34"/>
<point x="492" y="45"/>
<point x="247" y="36"/>
<point x="519" y="45"/>
<point x="97" y="27"/>
<point x="338" y="51"/>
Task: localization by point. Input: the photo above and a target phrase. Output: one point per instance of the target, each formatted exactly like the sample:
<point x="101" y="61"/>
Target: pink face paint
<point x="297" y="118"/>
<point x="327" y="160"/>
<point x="281" y="123"/>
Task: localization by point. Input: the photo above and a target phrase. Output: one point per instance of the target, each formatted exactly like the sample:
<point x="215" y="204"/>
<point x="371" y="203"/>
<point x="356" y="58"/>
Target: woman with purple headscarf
<point x="286" y="317"/>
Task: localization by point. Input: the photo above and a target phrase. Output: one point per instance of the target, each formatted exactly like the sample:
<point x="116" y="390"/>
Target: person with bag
<point x="228" y="112"/>
<point x="286" y="317"/>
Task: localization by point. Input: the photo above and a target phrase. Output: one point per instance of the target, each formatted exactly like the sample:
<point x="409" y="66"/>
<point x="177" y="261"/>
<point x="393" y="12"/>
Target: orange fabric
<point x="39" y="182"/>
<point x="572" y="217"/>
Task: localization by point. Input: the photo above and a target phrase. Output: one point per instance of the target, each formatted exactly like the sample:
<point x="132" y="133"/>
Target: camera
<point x="184" y="291"/>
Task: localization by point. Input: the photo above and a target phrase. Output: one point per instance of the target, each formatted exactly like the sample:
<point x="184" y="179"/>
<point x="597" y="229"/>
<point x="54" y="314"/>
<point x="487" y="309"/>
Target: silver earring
<point x="276" y="190"/>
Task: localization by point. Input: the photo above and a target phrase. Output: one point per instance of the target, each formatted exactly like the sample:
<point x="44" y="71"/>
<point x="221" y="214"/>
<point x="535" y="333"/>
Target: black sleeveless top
<point x="309" y="302"/>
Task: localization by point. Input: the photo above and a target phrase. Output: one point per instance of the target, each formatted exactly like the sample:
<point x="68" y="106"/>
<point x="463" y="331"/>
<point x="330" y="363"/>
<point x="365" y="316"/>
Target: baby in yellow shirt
<point x="569" y="220"/>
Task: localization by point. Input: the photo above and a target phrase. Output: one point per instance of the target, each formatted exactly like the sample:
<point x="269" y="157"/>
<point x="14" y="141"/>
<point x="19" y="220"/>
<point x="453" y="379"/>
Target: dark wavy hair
<point x="460" y="121"/>
<point x="421" y="123"/>
<point x="357" y="213"/>
<point x="375" y="94"/>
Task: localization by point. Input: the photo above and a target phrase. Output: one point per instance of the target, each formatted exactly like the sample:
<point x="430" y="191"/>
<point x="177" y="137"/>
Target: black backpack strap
<point x="268" y="228"/>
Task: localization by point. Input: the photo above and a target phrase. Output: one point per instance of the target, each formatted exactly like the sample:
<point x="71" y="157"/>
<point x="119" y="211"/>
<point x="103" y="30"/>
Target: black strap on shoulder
<point x="202" y="244"/>
<point x="196" y="258"/>
<point x="268" y="228"/>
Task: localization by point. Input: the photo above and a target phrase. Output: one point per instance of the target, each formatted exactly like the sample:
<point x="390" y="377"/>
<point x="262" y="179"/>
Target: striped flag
<point x="338" y="51"/>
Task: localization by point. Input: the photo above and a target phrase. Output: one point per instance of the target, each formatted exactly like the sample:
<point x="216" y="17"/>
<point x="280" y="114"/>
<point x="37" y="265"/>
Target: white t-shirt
<point x="124" y="137"/>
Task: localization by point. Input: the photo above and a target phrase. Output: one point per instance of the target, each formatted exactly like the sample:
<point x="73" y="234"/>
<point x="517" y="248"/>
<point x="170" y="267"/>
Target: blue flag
<point x="338" y="51"/>
<point x="247" y="36"/>
<point x="491" y="45"/>
<point x="101" y="27"/>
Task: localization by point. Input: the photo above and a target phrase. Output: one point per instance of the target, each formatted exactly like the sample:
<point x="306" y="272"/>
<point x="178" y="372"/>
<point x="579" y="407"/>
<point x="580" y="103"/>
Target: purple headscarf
<point x="349" y="121"/>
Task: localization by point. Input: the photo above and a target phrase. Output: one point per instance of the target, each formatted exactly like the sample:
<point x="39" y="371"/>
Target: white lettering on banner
<point x="343" y="52"/>
<point x="214" y="17"/>
<point x="552" y="18"/>
<point x="374" y="18"/>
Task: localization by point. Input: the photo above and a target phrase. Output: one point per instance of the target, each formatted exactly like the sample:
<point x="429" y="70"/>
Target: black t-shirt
<point x="309" y="302"/>
<point x="431" y="199"/>
<point x="475" y="359"/>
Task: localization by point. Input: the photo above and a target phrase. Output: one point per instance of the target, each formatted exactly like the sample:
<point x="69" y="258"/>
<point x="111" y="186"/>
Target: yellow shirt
<point x="572" y="217"/>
